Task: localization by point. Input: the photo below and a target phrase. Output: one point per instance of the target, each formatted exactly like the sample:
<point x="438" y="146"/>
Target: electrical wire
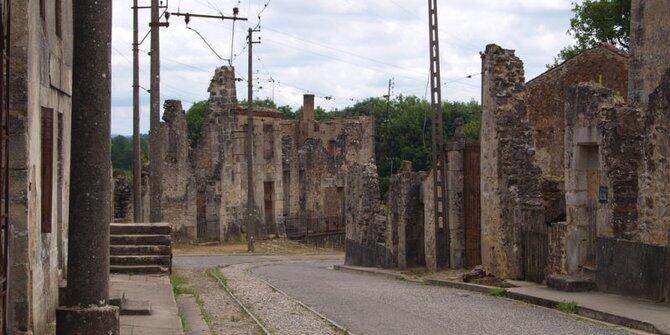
<point x="208" y="45"/>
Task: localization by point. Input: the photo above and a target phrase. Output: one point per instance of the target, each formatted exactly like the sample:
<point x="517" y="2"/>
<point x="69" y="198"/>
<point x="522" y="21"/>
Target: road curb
<point x="539" y="301"/>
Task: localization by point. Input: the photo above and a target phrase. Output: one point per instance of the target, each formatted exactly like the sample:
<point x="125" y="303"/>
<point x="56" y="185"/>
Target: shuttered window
<point x="47" y="139"/>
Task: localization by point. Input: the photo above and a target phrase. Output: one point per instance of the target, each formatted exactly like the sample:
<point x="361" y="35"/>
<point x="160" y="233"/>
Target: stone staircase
<point x="141" y="248"/>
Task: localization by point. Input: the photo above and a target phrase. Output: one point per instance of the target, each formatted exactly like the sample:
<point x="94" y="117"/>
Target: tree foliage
<point x="122" y="151"/>
<point x="594" y="22"/>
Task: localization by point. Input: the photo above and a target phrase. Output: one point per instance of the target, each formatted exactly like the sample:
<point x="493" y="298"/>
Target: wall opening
<point x="269" y="191"/>
<point x="47" y="137"/>
<point x="588" y="162"/>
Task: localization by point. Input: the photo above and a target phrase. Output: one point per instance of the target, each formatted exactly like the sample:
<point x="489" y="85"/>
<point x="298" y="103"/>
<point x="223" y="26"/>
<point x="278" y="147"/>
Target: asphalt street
<point x="373" y="305"/>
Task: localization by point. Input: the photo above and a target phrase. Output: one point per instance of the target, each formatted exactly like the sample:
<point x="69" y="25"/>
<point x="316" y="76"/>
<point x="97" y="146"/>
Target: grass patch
<point x="417" y="272"/>
<point x="215" y="273"/>
<point x="180" y="286"/>
<point x="497" y="292"/>
<point x="569" y="307"/>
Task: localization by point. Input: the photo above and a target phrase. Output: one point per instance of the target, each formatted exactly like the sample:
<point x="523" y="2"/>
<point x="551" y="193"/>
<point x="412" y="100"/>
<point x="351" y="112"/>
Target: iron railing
<point x="303" y="227"/>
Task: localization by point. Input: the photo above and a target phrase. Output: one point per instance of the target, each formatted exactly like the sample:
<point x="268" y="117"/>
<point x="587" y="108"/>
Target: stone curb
<point x="543" y="302"/>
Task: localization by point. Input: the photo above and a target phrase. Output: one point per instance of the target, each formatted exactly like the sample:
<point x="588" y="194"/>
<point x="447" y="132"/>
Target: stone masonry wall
<point x="40" y="83"/>
<point x="405" y="225"/>
<point x="604" y="64"/>
<point x="654" y="200"/>
<point x="510" y="182"/>
<point x="365" y="219"/>
<point x="649" y="41"/>
<point x="178" y="184"/>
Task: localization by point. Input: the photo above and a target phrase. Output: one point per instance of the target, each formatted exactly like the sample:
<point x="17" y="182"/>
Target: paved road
<point x="375" y="305"/>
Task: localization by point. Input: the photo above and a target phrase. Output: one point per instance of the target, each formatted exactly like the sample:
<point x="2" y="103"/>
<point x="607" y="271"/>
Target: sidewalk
<point x="155" y="289"/>
<point x="624" y="311"/>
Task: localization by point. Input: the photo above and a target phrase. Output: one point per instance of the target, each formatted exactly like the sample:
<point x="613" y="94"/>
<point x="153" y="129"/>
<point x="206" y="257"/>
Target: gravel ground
<point x="373" y="305"/>
<point x="225" y="316"/>
<point x="281" y="314"/>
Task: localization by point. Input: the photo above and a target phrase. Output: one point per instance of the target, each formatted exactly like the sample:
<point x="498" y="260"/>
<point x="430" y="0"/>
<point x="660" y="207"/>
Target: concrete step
<point x="121" y="250"/>
<point x="140" y="229"/>
<point x="567" y="283"/>
<point x="139" y="269"/>
<point x="135" y="307"/>
<point x="163" y="260"/>
<point x="140" y="240"/>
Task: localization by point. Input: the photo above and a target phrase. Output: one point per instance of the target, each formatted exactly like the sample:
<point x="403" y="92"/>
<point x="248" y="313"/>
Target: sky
<point x="342" y="51"/>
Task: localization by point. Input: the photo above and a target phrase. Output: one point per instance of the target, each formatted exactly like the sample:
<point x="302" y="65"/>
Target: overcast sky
<point x="344" y="49"/>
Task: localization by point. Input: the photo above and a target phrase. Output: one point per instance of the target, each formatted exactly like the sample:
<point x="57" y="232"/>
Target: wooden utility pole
<point x="155" y="138"/>
<point x="442" y="234"/>
<point x="137" y="162"/>
<point x="251" y="212"/>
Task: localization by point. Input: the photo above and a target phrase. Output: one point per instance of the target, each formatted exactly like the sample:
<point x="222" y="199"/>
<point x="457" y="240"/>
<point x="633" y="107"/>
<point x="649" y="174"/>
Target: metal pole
<point x="251" y="223"/>
<point x="442" y="234"/>
<point x="137" y="163"/>
<point x="155" y="145"/>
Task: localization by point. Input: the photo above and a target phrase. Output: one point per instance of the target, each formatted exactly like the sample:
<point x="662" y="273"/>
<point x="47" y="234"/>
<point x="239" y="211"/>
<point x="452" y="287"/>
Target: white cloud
<point x="347" y="49"/>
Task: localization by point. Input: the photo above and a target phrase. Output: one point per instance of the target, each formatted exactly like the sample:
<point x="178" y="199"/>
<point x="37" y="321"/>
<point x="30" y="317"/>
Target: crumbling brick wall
<point x="510" y="182"/>
<point x="123" y="198"/>
<point x="405" y="225"/>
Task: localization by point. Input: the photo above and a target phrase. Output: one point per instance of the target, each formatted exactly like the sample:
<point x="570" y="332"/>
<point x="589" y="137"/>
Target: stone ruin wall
<point x="650" y="50"/>
<point x="510" y="182"/>
<point x="604" y="64"/>
<point x="405" y="221"/>
<point x="649" y="41"/>
<point x="301" y="165"/>
<point x="178" y="184"/>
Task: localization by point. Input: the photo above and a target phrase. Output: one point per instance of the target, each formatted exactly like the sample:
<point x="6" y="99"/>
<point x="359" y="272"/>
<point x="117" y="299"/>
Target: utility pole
<point x="137" y="163"/>
<point x="155" y="138"/>
<point x="251" y="217"/>
<point x="442" y="234"/>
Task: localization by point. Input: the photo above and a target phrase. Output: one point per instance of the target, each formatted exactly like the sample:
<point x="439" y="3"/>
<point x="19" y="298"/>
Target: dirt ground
<point x="276" y="246"/>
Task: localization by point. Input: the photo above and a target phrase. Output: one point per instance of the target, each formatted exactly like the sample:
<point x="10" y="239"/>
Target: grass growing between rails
<point x="498" y="292"/>
<point x="569" y="307"/>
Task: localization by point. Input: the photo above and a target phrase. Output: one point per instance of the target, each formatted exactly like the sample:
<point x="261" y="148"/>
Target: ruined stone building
<point x="301" y="168"/>
<point x="574" y="179"/>
<point x="40" y="89"/>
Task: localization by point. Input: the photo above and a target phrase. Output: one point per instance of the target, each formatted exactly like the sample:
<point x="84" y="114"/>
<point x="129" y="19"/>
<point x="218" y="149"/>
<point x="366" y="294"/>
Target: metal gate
<point x="4" y="166"/>
<point x="535" y="252"/>
<point x="472" y="205"/>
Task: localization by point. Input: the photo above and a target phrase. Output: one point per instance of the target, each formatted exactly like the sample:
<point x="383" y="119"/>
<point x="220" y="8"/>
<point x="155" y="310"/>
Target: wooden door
<point x="472" y="205"/>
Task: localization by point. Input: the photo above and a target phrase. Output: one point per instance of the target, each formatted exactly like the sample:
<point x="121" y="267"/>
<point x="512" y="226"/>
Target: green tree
<point x="594" y="22"/>
<point x="122" y="152"/>
<point x="195" y="117"/>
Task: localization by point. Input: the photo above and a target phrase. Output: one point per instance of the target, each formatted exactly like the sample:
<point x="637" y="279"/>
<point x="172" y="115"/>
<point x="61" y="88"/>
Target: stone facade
<point x="39" y="161"/>
<point x="405" y="223"/>
<point x="510" y="181"/>
<point x="365" y="219"/>
<point x="649" y="40"/>
<point x="178" y="185"/>
<point x="300" y="167"/>
<point x="545" y="99"/>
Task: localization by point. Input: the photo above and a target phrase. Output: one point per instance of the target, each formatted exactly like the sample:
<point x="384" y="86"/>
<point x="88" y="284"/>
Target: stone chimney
<point x="308" y="107"/>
